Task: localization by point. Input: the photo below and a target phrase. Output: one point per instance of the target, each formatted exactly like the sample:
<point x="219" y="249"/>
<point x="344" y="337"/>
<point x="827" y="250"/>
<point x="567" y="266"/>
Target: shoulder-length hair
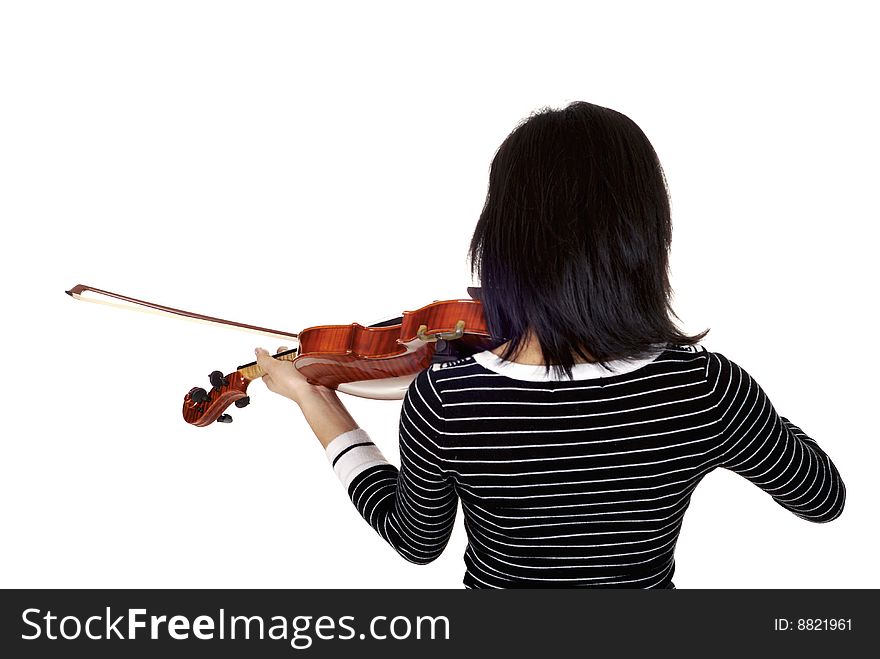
<point x="572" y="244"/>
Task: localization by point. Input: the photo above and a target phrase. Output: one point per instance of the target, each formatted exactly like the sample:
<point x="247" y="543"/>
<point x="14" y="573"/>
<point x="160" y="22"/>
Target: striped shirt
<point x="581" y="482"/>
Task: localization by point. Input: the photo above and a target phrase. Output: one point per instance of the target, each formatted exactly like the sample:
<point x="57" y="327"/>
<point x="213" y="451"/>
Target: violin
<point x="377" y="361"/>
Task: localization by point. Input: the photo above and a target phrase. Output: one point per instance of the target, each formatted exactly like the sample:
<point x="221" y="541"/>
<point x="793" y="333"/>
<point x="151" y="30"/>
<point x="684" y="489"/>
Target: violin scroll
<point x="201" y="407"/>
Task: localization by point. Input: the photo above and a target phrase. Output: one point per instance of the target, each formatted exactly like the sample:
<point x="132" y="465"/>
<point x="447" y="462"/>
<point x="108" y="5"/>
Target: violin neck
<point x="252" y="370"/>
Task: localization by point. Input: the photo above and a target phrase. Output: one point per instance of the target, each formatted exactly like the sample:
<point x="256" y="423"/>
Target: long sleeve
<point x="768" y="449"/>
<point x="412" y="508"/>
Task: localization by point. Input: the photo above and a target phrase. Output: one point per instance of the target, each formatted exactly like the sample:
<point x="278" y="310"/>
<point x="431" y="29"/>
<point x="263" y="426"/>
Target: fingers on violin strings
<point x="281" y="349"/>
<point x="262" y="355"/>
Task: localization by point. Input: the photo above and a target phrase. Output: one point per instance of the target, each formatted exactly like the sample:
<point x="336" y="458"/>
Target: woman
<point x="575" y="446"/>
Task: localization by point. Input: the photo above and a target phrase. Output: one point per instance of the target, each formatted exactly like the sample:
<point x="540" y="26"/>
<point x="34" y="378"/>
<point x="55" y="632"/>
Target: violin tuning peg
<point x="198" y="395"/>
<point x="243" y="402"/>
<point x="224" y="418"/>
<point x="217" y="379"/>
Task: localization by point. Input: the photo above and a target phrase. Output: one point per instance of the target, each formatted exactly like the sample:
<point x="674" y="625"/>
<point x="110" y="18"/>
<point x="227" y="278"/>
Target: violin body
<point x="380" y="362"/>
<point x="377" y="362"/>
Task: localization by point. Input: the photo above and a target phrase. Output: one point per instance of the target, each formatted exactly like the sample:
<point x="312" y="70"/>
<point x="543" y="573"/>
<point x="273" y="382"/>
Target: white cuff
<point x="351" y="453"/>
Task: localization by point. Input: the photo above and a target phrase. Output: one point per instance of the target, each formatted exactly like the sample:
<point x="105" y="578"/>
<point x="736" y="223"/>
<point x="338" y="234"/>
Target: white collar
<point x="580" y="371"/>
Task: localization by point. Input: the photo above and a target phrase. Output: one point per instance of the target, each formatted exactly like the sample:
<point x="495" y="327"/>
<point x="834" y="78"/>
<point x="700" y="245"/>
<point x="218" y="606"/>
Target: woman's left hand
<point x="283" y="378"/>
<point x="320" y="406"/>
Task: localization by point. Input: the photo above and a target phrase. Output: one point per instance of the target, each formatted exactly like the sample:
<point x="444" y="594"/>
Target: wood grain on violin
<point x="378" y="361"/>
<point x="338" y="355"/>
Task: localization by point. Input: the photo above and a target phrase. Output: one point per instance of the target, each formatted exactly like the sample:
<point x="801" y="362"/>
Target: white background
<point x="289" y="164"/>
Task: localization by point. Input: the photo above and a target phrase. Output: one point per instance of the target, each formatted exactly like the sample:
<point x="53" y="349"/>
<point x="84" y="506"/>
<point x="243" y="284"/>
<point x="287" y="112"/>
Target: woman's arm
<point x="321" y="407"/>
<point x="412" y="508"/>
<point x="769" y="450"/>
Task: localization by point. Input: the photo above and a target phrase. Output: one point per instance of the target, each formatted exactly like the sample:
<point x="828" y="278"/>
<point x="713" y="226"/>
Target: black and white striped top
<point x="580" y="482"/>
